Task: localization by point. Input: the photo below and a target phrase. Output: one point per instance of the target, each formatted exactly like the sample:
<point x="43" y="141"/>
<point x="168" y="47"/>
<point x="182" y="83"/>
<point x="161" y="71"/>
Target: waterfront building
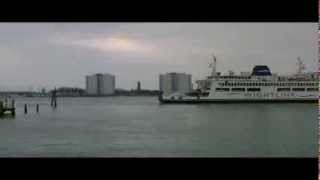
<point x="100" y="84"/>
<point x="175" y="82"/>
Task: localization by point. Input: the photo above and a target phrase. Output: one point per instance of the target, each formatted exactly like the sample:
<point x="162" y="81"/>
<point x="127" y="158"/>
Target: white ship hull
<point x="238" y="99"/>
<point x="265" y="94"/>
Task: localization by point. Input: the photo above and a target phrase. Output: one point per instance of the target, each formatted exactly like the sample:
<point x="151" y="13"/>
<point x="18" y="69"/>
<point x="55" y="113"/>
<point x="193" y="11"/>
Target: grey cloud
<point x="34" y="52"/>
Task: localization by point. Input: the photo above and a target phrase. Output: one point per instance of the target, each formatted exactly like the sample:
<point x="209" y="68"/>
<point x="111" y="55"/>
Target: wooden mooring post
<point x="1" y="108"/>
<point x="25" y="109"/>
<point x="37" y="108"/>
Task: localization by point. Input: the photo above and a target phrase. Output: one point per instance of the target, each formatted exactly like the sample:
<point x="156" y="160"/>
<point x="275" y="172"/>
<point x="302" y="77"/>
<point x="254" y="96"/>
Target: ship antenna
<point x="301" y="65"/>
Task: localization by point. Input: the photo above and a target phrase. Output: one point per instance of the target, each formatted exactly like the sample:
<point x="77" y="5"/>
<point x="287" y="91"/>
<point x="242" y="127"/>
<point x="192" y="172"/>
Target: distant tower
<point x="43" y="90"/>
<point x="138" y="86"/>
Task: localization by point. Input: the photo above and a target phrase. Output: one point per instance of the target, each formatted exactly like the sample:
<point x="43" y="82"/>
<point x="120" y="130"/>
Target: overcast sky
<point x="35" y="55"/>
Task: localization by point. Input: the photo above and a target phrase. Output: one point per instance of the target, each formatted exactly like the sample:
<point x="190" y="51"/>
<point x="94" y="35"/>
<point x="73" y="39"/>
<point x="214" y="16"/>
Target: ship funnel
<point x="261" y="70"/>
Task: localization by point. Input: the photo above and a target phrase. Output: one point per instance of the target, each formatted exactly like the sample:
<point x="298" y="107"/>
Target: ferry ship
<point x="258" y="86"/>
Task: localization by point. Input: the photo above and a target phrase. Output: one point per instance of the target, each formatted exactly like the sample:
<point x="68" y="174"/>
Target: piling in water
<point x="1" y="108"/>
<point x="54" y="98"/>
<point x="37" y="108"/>
<point x="25" y="109"/>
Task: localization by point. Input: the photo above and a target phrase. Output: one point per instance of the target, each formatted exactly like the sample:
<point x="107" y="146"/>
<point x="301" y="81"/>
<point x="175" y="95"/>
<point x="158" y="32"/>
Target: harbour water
<point x="141" y="127"/>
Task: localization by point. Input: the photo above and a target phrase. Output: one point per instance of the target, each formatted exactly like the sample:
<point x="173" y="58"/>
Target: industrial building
<point x="175" y="82"/>
<point x="100" y="84"/>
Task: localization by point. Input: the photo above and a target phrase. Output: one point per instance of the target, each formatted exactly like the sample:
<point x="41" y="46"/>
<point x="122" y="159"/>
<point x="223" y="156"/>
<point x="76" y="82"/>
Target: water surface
<point x="141" y="127"/>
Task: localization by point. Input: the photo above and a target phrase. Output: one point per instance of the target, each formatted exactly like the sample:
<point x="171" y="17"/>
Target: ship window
<point x="222" y="89"/>
<point x="297" y="89"/>
<point x="238" y="89"/>
<point x="312" y="89"/>
<point x="283" y="89"/>
<point x="253" y="89"/>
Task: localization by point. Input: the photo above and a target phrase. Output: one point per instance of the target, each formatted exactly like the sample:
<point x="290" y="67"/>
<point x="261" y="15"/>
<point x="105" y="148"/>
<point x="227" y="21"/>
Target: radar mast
<point x="213" y="65"/>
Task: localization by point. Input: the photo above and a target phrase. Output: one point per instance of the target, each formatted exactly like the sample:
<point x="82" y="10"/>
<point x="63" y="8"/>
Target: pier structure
<point x="7" y="104"/>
